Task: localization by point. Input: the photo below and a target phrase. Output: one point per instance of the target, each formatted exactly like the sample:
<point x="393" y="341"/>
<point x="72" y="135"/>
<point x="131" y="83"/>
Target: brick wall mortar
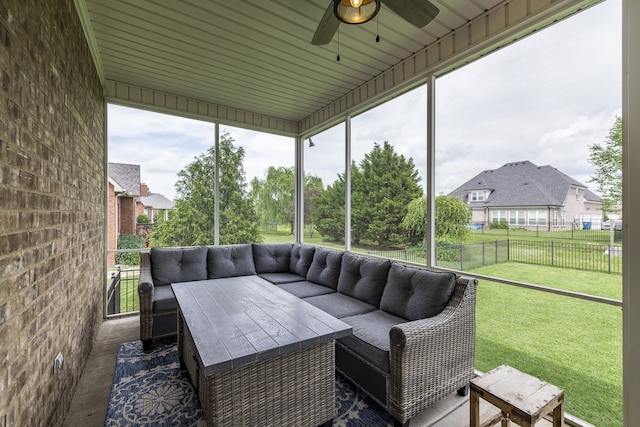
<point x="52" y="186"/>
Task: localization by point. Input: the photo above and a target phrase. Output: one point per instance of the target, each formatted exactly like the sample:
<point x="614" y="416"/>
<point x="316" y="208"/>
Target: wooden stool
<point x="522" y="398"/>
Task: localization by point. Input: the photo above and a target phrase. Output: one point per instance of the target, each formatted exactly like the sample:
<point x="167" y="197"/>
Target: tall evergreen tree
<point x="382" y="186"/>
<point x="328" y="213"/>
<point x="385" y="185"/>
<point x="192" y="222"/>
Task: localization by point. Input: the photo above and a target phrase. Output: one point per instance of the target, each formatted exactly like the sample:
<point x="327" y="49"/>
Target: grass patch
<point x="574" y="344"/>
<point x="604" y="285"/>
<point x="129" y="300"/>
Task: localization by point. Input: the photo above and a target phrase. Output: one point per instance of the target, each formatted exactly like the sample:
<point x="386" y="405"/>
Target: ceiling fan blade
<point x="416" y="12"/>
<point x="327" y="27"/>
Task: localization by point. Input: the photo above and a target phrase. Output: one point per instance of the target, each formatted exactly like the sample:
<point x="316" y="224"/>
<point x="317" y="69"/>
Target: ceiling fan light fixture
<point x="355" y="11"/>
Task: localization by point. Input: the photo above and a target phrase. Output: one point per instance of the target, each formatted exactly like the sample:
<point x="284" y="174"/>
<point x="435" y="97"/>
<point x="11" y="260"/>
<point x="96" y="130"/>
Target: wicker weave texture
<point x="296" y="389"/>
<point x="431" y="358"/>
<point x="145" y="293"/>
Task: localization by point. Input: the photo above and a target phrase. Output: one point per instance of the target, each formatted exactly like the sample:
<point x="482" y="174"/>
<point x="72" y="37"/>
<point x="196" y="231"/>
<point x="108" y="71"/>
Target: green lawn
<point x="129" y="301"/>
<point x="574" y="344"/>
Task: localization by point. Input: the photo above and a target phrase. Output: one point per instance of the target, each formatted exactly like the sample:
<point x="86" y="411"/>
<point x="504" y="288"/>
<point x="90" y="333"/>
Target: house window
<point x="537" y="218"/>
<point x="577" y="194"/>
<point x="558" y="218"/>
<point x="477" y="196"/>
<point x="516" y="218"/>
<point x="499" y="216"/>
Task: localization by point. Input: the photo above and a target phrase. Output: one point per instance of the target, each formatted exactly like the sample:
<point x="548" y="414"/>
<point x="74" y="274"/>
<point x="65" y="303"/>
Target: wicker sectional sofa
<point x="413" y="339"/>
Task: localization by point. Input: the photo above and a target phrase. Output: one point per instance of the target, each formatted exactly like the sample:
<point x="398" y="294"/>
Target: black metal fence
<point x="579" y="256"/>
<point x="572" y="231"/>
<point x="113" y="293"/>
<point x="122" y="291"/>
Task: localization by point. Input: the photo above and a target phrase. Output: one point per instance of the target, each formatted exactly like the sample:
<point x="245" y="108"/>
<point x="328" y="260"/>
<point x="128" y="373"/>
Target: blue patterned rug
<point x="150" y="389"/>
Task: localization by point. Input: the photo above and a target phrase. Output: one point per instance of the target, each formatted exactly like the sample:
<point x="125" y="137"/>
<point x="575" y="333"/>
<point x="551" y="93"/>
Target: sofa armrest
<point x="145" y="294"/>
<point x="431" y="358"/>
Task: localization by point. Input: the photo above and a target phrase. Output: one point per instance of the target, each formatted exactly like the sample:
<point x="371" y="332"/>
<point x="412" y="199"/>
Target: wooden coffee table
<point x="256" y="354"/>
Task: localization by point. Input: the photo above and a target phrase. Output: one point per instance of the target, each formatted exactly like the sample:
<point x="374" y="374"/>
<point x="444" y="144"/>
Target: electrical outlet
<point x="57" y="363"/>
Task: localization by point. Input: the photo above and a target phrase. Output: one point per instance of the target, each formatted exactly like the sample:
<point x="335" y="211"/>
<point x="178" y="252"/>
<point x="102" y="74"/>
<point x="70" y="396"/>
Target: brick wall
<point x="127" y="215"/>
<point x="52" y="203"/>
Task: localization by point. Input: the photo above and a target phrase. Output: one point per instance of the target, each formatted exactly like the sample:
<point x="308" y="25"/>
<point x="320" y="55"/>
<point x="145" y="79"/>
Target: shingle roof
<point x="156" y="201"/>
<point x="522" y="184"/>
<point x="127" y="176"/>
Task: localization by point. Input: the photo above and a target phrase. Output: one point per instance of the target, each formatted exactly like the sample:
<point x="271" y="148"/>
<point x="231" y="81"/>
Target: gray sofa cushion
<point x="163" y="299"/>
<point x="272" y="258"/>
<point x="370" y="337"/>
<point x="173" y="265"/>
<point x="280" y="278"/>
<point x="230" y="261"/>
<point x="325" y="267"/>
<point x="415" y="294"/>
<point x="306" y="289"/>
<point x="301" y="257"/>
<point x="363" y="278"/>
<point x="340" y="305"/>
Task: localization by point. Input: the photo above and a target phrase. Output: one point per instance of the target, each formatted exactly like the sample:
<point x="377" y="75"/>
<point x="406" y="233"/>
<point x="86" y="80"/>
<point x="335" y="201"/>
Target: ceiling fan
<point x="416" y="12"/>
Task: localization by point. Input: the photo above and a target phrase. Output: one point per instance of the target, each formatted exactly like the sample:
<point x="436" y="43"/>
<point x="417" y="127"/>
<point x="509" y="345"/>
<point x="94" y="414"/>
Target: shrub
<point x="143" y="219"/>
<point x="502" y="225"/>
<point x="130" y="241"/>
<point x="447" y="251"/>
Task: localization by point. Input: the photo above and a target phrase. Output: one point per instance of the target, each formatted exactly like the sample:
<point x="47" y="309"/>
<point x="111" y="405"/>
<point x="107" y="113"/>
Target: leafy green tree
<point x="192" y="221"/>
<point x="382" y="186"/>
<point x="451" y="218"/>
<point x="273" y="196"/>
<point x="607" y="158"/>
<point x="414" y="223"/>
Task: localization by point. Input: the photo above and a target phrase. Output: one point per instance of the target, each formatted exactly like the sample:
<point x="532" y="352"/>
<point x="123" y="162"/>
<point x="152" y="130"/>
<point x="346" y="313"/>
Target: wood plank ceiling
<point x="254" y="55"/>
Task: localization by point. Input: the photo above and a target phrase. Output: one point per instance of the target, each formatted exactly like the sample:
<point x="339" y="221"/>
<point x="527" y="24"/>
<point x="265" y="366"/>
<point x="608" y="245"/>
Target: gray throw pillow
<point x="363" y="278"/>
<point x="230" y="261"/>
<point x="301" y="257"/>
<point x="271" y="258"/>
<point x="325" y="267"/>
<point x="174" y="265"/>
<point x="415" y="294"/>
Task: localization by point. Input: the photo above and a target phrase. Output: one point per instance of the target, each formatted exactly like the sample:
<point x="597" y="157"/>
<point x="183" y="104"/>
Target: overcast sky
<point x="545" y="99"/>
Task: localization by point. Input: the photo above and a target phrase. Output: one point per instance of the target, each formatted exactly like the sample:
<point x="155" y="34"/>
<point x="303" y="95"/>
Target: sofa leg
<point x="397" y="423"/>
<point x="146" y="345"/>
<point x="463" y="391"/>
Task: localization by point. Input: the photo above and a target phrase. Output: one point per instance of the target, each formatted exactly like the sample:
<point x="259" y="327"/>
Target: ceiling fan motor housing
<point x="356" y="11"/>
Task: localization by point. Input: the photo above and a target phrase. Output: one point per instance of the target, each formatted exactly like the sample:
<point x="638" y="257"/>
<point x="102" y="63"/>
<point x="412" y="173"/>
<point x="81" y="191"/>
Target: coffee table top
<point x="241" y="320"/>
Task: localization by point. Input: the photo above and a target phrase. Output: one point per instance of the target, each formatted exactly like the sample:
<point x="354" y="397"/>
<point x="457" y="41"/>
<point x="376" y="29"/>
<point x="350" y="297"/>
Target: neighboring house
<point x="153" y="205"/>
<point x="127" y="199"/>
<point x="123" y="195"/>
<point x="525" y="195"/>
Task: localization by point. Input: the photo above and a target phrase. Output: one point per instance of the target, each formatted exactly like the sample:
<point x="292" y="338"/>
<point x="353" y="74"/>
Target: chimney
<point x="144" y="190"/>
